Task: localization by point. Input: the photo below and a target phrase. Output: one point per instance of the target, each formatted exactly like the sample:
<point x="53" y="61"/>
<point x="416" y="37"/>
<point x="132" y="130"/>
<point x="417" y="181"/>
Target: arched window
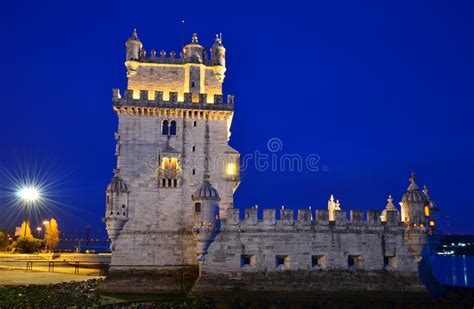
<point x="173" y="164"/>
<point x="173" y="128"/>
<point x="166" y="163"/>
<point x="165" y="128"/>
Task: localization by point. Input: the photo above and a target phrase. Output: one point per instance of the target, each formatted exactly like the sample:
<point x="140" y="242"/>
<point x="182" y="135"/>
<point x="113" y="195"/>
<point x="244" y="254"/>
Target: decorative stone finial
<point x="425" y="190"/>
<point x="134" y="34"/>
<point x="331" y="198"/>
<point x="195" y="38"/>
<point x="218" y="39"/>
<point x="337" y="205"/>
<point x="413" y="185"/>
<point x="390" y="205"/>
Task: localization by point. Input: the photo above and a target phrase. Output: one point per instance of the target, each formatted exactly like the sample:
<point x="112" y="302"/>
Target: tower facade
<point x="172" y="141"/>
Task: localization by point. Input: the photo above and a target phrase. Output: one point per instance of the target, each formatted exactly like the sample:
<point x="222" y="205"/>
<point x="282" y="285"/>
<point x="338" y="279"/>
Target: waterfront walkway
<point x="9" y="276"/>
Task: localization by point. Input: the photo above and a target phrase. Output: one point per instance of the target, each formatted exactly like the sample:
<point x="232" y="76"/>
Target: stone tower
<point x="172" y="144"/>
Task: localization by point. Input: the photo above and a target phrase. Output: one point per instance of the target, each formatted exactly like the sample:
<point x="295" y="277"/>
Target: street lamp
<point x="38" y="229"/>
<point x="28" y="195"/>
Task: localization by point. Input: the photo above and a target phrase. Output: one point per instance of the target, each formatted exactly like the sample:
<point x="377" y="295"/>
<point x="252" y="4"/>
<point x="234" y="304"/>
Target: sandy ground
<point x="10" y="276"/>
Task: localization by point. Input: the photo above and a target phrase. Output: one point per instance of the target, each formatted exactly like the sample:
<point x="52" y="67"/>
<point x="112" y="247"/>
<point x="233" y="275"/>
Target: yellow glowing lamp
<point x="231" y="169"/>
<point x="432" y="223"/>
<point x="427" y="211"/>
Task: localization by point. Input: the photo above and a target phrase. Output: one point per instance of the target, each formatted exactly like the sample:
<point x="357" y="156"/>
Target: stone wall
<point x="297" y="253"/>
<point x="158" y="230"/>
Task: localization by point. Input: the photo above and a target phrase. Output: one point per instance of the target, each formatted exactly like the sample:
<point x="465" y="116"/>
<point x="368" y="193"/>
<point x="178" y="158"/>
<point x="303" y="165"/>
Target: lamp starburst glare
<point x="29" y="194"/>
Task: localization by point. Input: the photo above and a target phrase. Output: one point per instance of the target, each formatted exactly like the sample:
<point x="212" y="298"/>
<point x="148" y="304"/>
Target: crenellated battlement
<point x="145" y="102"/>
<point x="307" y="219"/>
<point x="163" y="57"/>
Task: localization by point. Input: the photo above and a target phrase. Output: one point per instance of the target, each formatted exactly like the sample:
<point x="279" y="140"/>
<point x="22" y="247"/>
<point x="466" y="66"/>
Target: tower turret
<point x="413" y="204"/>
<point x="390" y="208"/>
<point x="431" y="210"/>
<point x="206" y="216"/>
<point x="116" y="213"/>
<point x="194" y="52"/>
<point x="134" y="46"/>
<point x="218" y="58"/>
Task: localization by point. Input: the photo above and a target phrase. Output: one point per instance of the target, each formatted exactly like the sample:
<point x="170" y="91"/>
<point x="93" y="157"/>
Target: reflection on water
<point x="457" y="270"/>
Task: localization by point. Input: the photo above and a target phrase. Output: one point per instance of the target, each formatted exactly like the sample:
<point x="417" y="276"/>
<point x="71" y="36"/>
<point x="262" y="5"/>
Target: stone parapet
<point x="306" y="219"/>
<point x="145" y="98"/>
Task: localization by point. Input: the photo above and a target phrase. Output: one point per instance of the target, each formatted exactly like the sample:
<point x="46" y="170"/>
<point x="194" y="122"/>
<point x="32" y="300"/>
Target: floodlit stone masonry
<point x="170" y="213"/>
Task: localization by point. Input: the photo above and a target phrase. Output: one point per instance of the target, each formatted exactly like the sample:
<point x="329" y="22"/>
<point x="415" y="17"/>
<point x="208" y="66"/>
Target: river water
<point x="455" y="270"/>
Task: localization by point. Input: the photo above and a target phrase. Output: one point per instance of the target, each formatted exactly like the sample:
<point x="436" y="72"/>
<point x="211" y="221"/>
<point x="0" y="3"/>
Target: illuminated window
<point x="217" y="216"/>
<point x="407" y="219"/>
<point x="173" y="164"/>
<point x="427" y="211"/>
<point x="173" y="128"/>
<point x="231" y="169"/>
<point x="166" y="163"/>
<point x="165" y="128"/>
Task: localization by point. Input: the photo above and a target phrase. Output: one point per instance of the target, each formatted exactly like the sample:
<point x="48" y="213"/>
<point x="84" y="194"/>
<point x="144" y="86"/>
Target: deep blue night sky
<point x="376" y="88"/>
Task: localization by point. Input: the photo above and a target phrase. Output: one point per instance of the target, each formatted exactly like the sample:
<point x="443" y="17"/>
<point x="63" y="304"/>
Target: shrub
<point x="28" y="245"/>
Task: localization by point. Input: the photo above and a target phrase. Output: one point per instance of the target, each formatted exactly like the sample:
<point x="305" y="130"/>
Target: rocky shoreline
<point x="83" y="295"/>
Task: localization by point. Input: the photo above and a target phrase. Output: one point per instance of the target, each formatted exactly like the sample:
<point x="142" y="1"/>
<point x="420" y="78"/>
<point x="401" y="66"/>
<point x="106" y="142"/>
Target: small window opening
<point x="195" y="123"/>
<point x="111" y="213"/>
<point x="282" y="261"/>
<point x="355" y="261"/>
<point x="194" y="148"/>
<point x="118" y="213"/>
<point x="318" y="262"/>
<point x="175" y="182"/>
<point x="248" y="260"/>
<point x="197" y="207"/>
<point x="165" y="128"/>
<point x="194" y="171"/>
<point x="173" y="128"/>
<point x="163" y="182"/>
<point x="169" y="182"/>
<point x="124" y="214"/>
<point x="193" y="84"/>
<point x="389" y="262"/>
<point x="123" y="206"/>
